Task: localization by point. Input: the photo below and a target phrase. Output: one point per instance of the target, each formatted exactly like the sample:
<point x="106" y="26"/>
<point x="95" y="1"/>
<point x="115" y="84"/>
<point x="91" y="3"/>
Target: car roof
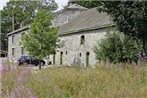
<point x="25" y="56"/>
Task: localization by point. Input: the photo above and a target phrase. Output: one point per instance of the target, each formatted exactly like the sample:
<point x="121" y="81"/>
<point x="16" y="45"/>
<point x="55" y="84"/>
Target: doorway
<point x="61" y="58"/>
<point x="54" y="58"/>
<point x="87" y="58"/>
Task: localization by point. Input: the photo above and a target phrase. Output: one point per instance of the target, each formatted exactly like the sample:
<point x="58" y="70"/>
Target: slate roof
<point x="87" y="20"/>
<point x="90" y="19"/>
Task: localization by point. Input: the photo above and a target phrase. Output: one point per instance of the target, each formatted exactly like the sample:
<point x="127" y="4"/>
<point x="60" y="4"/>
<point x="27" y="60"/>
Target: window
<point x="13" y="38"/>
<point x="66" y="52"/>
<point x="80" y="54"/>
<point x="22" y="50"/>
<point x="82" y="39"/>
<point x="87" y="58"/>
<point x="54" y="58"/>
<point x="61" y="58"/>
<point x="13" y="51"/>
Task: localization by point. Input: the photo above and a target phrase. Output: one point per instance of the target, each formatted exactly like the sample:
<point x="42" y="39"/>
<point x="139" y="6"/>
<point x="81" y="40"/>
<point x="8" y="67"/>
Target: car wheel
<point x="36" y="64"/>
<point x="42" y="63"/>
<point x="19" y="64"/>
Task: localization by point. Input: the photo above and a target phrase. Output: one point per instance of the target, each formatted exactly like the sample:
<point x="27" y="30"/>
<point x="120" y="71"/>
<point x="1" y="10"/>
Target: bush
<point x="116" y="48"/>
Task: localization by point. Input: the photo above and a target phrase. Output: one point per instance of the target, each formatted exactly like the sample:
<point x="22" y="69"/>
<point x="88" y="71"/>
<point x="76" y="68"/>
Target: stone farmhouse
<point x="80" y="29"/>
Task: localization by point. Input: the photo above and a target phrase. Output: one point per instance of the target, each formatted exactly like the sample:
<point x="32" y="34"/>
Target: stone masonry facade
<point x="75" y="53"/>
<point x="77" y="48"/>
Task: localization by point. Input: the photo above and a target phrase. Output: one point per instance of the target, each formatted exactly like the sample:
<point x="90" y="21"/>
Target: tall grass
<point x="13" y="80"/>
<point x="100" y="82"/>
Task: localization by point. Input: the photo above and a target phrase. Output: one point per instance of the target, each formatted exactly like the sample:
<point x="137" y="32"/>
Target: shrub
<point x="116" y="48"/>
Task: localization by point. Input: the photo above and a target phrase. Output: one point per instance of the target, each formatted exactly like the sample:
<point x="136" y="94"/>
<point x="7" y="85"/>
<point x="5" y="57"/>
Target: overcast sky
<point x="60" y="3"/>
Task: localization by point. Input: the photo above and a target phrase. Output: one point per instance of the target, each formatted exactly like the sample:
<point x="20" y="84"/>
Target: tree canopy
<point x="41" y="39"/>
<point x="130" y="16"/>
<point x="116" y="48"/>
<point x="21" y="12"/>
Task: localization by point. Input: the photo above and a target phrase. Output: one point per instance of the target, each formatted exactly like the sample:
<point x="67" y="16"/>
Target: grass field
<point x="104" y="81"/>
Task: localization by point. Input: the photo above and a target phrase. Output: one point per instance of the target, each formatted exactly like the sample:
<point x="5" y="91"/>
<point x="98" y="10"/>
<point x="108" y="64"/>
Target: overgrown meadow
<point x="103" y="81"/>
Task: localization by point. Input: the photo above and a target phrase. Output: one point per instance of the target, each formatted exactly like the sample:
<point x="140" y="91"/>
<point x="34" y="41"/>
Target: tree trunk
<point x="39" y="64"/>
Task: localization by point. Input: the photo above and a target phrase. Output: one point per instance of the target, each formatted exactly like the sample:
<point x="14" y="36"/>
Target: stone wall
<point x="16" y="45"/>
<point x="72" y="48"/>
<point x="73" y="52"/>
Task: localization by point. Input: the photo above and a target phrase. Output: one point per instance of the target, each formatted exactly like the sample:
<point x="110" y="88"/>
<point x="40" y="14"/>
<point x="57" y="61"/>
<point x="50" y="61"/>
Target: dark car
<point x="29" y="60"/>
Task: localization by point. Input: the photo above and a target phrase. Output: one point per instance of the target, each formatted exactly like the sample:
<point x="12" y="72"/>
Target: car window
<point x="28" y="57"/>
<point x="34" y="58"/>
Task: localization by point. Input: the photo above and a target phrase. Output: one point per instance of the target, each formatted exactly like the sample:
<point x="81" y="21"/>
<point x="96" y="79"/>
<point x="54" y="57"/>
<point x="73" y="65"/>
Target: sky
<point x="60" y="3"/>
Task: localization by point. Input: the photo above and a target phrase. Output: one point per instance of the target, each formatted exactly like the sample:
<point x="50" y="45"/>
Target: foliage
<point x="116" y="48"/>
<point x="22" y="12"/>
<point x="102" y="82"/>
<point x="42" y="38"/>
<point x="130" y="16"/>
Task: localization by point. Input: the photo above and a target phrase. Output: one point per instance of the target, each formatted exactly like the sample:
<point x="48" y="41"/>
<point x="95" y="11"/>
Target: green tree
<point x="117" y="48"/>
<point x="21" y="12"/>
<point x="130" y="16"/>
<point x="41" y="40"/>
